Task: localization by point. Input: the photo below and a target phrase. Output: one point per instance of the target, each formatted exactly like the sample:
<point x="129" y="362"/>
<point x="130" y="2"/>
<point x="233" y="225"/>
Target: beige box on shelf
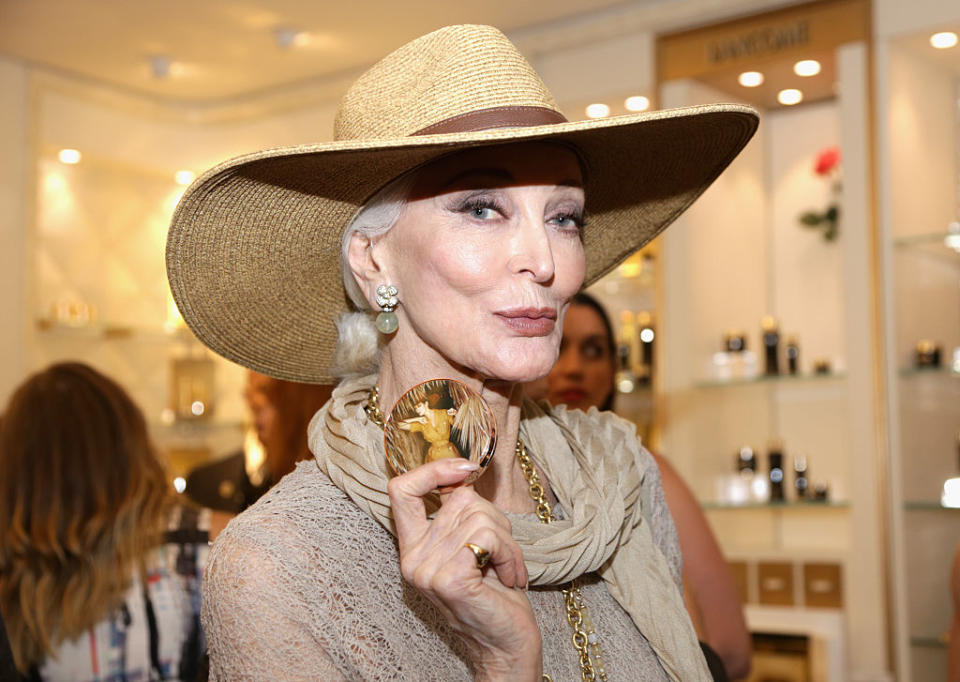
<point x="775" y="583"/>
<point x="823" y="585"/>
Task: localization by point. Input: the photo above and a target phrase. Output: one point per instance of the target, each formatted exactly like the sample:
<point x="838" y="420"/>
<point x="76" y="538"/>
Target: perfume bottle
<point x="793" y="356"/>
<point x="771" y="345"/>
<point x="801" y="483"/>
<point x="950" y="497"/>
<point x="927" y="353"/>
<point x="737" y="488"/>
<point x="734" y="342"/>
<point x="625" y="379"/>
<point x="646" y="335"/>
<point x="775" y="460"/>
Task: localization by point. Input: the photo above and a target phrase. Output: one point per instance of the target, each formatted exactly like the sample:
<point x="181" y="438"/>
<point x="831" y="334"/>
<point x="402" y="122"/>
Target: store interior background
<point x="146" y="91"/>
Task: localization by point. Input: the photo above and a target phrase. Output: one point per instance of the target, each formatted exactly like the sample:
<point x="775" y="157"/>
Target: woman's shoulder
<point x="301" y="517"/>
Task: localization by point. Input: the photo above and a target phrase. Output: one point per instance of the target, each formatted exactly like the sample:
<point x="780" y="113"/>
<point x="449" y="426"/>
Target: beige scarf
<point x="592" y="468"/>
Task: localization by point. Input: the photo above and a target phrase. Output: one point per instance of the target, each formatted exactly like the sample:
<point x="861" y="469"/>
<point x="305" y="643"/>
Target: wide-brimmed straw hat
<point x="254" y="248"/>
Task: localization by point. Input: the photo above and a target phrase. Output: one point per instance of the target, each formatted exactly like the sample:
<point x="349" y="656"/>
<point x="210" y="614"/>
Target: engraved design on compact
<point x="437" y="419"/>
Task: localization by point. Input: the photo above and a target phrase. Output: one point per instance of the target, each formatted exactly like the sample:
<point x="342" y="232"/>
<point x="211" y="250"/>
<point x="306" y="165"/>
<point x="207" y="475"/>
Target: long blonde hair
<point x="83" y="497"/>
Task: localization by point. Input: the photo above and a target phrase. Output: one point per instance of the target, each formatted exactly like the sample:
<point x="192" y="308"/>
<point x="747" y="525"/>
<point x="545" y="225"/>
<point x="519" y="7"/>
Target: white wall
<point x="917" y="139"/>
<point x="896" y="17"/>
<point x="604" y="71"/>
<point x="15" y="163"/>
<point x="98" y="232"/>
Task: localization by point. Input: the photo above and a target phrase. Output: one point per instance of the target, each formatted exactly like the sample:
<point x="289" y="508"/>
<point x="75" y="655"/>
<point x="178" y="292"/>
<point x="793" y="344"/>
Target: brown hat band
<point x="494" y="117"/>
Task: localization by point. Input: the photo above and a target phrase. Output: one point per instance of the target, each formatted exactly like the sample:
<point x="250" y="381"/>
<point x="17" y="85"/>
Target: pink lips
<point x="529" y="321"/>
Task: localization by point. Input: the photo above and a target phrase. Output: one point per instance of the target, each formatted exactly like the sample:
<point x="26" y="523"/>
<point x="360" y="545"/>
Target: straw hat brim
<point x="253" y="251"/>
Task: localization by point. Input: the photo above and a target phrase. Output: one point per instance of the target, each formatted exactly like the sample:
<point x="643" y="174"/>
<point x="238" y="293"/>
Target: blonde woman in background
<point x="88" y="588"/>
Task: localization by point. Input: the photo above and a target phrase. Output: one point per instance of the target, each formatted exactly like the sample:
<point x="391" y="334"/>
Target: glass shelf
<point x="945" y="371"/>
<point x="184" y="427"/>
<point x="943" y="246"/>
<point x="641" y="391"/>
<point x="792" y="505"/>
<point x="776" y="379"/>
<point x="927" y="505"/>
<point x="930" y="641"/>
<point x="96" y="331"/>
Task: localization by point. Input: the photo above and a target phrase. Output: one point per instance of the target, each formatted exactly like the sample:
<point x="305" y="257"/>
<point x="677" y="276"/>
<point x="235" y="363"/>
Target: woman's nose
<point x="531" y="250"/>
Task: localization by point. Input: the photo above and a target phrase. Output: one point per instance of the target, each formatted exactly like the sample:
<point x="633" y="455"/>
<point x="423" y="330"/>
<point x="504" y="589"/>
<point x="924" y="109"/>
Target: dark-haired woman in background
<point x="88" y="589"/>
<point x="583" y="378"/>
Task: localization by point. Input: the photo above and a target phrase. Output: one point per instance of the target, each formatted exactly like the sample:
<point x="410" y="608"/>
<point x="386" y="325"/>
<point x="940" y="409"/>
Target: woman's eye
<point x="591" y="351"/>
<point x="483" y="212"/>
<point x="568" y="221"/>
<point x="481" y="209"/>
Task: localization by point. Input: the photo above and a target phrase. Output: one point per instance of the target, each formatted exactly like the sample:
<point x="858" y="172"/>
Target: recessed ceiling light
<point x="943" y="40"/>
<point x="184" y="177"/>
<point x="790" y="96"/>
<point x="750" y="79"/>
<point x="287" y="37"/>
<point x="69" y="156"/>
<point x="598" y="110"/>
<point x="807" y="67"/>
<point x="637" y="103"/>
<point x="160" y="66"/>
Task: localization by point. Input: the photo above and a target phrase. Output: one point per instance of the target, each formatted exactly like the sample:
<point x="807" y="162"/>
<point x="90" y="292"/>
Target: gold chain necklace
<point x="585" y="640"/>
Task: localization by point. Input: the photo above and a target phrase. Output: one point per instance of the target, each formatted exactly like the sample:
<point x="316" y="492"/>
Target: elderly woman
<point x="453" y="202"/>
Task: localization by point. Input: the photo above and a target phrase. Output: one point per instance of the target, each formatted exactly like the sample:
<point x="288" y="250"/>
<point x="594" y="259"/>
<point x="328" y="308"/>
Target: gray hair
<point x="358" y="341"/>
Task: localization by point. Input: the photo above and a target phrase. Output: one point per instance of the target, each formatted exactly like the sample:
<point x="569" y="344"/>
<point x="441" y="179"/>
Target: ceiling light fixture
<point x="789" y="97"/>
<point x="807" y="68"/>
<point x="750" y="79"/>
<point x="69" y="156"/>
<point x="184" y="177"/>
<point x="286" y="37"/>
<point x="637" y="103"/>
<point x="598" y="110"/>
<point x="160" y="66"/>
<point x="943" y="40"/>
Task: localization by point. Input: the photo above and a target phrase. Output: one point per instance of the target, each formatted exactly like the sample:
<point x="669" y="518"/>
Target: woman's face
<point x="258" y="400"/>
<point x="583" y="375"/>
<point x="486" y="255"/>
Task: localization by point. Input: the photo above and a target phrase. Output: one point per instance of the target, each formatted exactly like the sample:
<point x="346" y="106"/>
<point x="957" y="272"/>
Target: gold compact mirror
<point x="438" y="419"/>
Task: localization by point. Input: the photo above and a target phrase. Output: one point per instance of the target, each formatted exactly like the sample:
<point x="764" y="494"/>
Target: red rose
<point x="827" y="160"/>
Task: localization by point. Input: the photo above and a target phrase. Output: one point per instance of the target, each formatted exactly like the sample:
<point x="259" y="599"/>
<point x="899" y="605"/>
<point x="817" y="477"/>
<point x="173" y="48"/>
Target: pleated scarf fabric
<point x="591" y="463"/>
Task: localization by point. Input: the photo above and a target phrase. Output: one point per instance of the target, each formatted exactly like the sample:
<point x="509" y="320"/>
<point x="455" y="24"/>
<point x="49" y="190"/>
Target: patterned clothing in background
<point x="119" y="647"/>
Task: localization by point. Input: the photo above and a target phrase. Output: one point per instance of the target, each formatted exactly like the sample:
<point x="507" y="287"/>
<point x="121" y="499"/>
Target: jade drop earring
<point x="387" y="300"/>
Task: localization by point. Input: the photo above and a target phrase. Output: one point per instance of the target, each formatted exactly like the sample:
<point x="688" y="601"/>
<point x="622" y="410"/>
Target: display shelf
<point x="189" y="427"/>
<point x="638" y="392"/>
<point x="945" y="371"/>
<point x="776" y="379"/>
<point x="930" y="641"/>
<point x="927" y="505"/>
<point x="99" y="331"/>
<point x="943" y="246"/>
<point x="792" y="505"/>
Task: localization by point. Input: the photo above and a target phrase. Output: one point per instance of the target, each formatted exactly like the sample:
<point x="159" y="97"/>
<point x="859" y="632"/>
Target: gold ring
<point x="479" y="553"/>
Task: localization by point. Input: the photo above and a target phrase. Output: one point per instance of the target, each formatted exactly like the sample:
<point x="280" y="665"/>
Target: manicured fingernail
<point x="465" y="465"/>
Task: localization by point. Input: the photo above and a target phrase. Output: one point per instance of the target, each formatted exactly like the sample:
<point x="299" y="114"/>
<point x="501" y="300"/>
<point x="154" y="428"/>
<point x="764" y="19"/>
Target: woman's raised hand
<point x="486" y="606"/>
